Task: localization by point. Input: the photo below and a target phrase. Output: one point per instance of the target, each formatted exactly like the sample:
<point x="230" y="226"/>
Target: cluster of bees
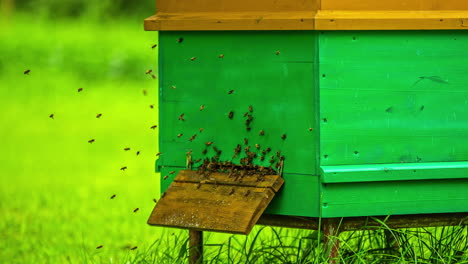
<point x="92" y="140"/>
<point x="246" y="167"/>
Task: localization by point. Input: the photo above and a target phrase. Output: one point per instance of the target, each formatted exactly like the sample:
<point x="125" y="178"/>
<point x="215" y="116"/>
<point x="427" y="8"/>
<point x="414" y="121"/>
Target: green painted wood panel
<point x="393" y="96"/>
<point x="272" y="71"/>
<point x="394" y="172"/>
<point x="394" y="198"/>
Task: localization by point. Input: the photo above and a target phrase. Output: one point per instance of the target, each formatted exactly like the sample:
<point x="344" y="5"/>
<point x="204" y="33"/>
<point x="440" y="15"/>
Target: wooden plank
<point x="235" y="6"/>
<point x="369" y="222"/>
<point x="297" y="20"/>
<point x="390" y="20"/>
<point x="210" y="207"/>
<point x="268" y="181"/>
<point x="389" y="5"/>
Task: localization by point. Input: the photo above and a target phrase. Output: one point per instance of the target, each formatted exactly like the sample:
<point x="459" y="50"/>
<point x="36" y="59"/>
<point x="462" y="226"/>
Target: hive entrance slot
<point x="217" y="202"/>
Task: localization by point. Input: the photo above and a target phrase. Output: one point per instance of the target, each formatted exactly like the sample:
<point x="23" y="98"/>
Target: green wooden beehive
<point x="370" y="122"/>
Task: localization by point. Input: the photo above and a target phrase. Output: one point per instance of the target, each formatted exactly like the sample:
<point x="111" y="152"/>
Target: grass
<point x="55" y="187"/>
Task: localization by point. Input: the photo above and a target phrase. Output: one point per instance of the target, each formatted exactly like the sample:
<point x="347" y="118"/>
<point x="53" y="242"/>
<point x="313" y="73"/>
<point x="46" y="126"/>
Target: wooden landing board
<point x="214" y="203"/>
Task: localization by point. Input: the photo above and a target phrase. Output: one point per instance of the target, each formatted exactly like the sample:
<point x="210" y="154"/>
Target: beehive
<point x="367" y="101"/>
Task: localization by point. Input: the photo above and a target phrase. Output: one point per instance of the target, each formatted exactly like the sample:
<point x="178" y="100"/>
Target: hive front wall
<point x="274" y="72"/>
<point x="376" y="123"/>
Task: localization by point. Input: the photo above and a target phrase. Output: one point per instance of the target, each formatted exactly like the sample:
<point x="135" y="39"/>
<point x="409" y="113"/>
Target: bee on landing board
<point x="158" y="154"/>
<point x="154" y="46"/>
<point x="51" y="116"/>
<point x="261" y="133"/>
<point x="91" y="141"/>
<point x="138" y="153"/>
<point x="149" y="71"/>
<point x="99" y="247"/>
<point x="165" y="177"/>
<point x="231" y="91"/>
<point x="231" y="115"/>
<point x="283" y="137"/>
<point x="193" y="58"/>
<point x="136" y="210"/>
<point x="202" y="107"/>
<point x="113" y="196"/>
<point x="179" y="135"/>
<point x="133" y="248"/>
<point x="123" y="168"/>
<point x="209" y="143"/>
<point x="179" y="40"/>
<point x="26" y="72"/>
<point x="80" y="90"/>
<point x="221" y="56"/>
<point x="153" y="127"/>
<point x="98" y="115"/>
<point x="151" y="106"/>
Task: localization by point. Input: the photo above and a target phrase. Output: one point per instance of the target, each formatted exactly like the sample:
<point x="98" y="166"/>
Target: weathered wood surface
<point x="214" y="203"/>
<point x="268" y="181"/>
<point x="362" y="223"/>
<point x="195" y="247"/>
<point x="309" y="15"/>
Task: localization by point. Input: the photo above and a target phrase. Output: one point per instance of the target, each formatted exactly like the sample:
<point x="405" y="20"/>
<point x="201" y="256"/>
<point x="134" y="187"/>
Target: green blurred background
<point x="55" y="187"/>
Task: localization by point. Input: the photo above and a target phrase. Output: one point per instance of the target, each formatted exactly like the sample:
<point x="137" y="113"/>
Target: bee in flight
<point x="154" y="127"/>
<point x="91" y="140"/>
<point x="136" y="210"/>
<point x="123" y="168"/>
<point x="99" y="247"/>
<point x="80" y="90"/>
<point x="154" y="46"/>
<point x="98" y="115"/>
<point x="51" y="116"/>
<point x="181" y="117"/>
<point x="27" y="71"/>
<point x="113" y="196"/>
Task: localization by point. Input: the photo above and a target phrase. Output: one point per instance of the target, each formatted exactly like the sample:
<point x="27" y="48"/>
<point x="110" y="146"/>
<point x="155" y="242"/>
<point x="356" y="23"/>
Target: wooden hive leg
<point x="331" y="234"/>
<point x="195" y="247"/>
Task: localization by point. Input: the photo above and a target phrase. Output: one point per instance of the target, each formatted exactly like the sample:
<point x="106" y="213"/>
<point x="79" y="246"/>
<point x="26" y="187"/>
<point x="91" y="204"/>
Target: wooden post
<point x="195" y="247"/>
<point x="331" y="231"/>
